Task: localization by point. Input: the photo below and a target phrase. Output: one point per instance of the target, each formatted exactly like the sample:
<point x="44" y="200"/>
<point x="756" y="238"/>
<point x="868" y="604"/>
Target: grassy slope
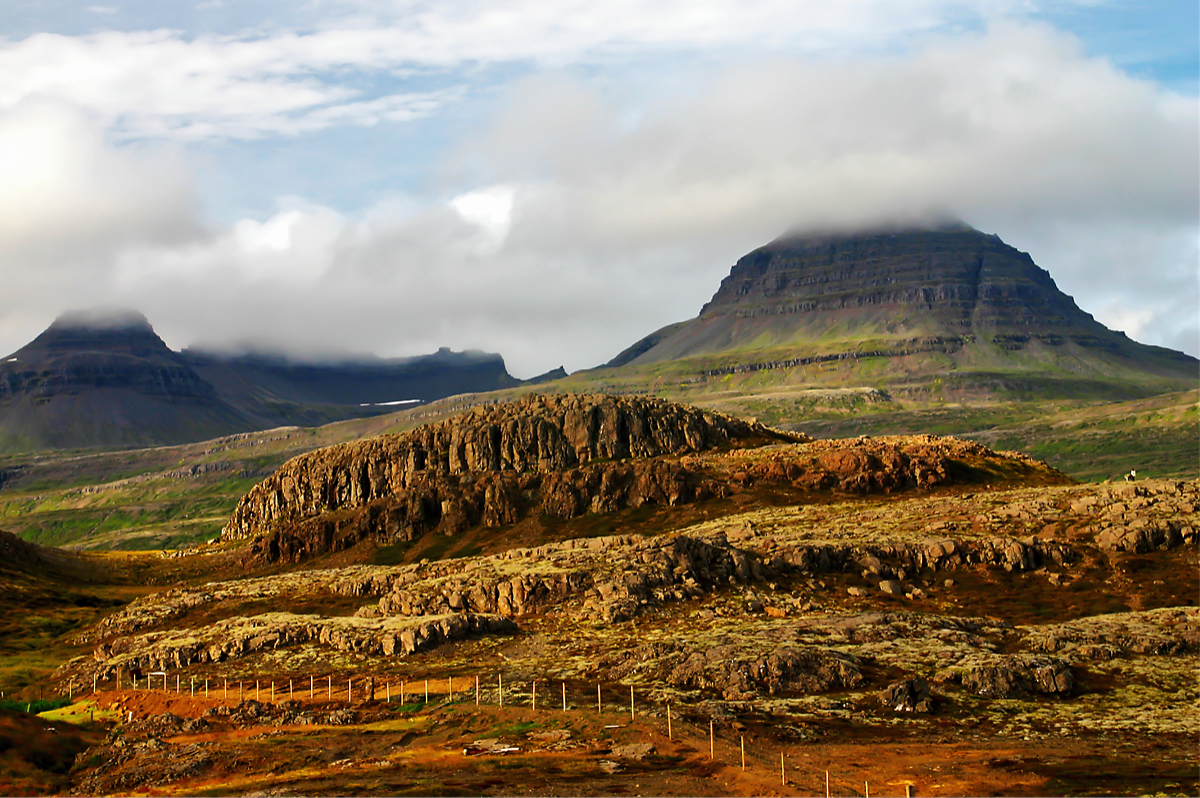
<point x="148" y="498"/>
<point x="144" y="499"/>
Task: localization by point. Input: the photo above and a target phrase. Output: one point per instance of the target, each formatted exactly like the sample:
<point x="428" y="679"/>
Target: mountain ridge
<point x="105" y="378"/>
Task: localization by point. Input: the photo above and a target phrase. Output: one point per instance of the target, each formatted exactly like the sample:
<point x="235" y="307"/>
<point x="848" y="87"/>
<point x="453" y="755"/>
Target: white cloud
<point x="67" y="196"/>
<point x="602" y="215"/>
<point x="166" y="83"/>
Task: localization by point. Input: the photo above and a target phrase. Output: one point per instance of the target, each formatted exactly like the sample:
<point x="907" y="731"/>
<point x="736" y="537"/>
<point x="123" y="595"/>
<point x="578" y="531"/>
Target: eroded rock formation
<point x="561" y="457"/>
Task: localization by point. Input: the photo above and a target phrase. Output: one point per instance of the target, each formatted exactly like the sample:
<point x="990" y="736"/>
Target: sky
<point x="553" y="181"/>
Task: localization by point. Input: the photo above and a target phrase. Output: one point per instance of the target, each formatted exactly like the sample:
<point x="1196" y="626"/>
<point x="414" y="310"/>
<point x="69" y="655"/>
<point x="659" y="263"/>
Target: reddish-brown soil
<point x="418" y="750"/>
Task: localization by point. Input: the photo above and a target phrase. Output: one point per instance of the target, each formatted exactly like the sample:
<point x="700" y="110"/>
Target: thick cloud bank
<point x="594" y="215"/>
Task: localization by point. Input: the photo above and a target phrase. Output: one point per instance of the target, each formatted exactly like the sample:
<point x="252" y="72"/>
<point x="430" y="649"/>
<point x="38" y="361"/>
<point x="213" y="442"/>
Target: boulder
<point x="908" y="695"/>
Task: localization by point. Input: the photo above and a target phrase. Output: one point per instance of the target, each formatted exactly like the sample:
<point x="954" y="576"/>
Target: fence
<point x="475" y="689"/>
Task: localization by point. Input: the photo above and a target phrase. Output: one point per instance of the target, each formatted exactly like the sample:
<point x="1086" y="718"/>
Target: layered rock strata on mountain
<point x="489" y="465"/>
<point x="962" y="277"/>
<point x="78" y="354"/>
<point x="925" y="294"/>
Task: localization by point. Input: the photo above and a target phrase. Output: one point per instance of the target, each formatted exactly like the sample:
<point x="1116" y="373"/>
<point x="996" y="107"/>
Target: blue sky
<point x="554" y="181"/>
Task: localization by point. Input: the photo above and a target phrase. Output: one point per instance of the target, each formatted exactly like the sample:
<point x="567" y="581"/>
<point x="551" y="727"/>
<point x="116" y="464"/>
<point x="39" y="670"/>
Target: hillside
<point x="1041" y="638"/>
<point x="537" y="462"/>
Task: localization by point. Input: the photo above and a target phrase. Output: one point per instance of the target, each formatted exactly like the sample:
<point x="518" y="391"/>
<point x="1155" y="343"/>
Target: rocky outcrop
<point x="560" y="457"/>
<point x="787" y="670"/>
<point x="1162" y="632"/>
<point x="736" y="672"/>
<point x="239" y="637"/>
<point x="476" y="467"/>
<point x="908" y="695"/>
<point x="1016" y="676"/>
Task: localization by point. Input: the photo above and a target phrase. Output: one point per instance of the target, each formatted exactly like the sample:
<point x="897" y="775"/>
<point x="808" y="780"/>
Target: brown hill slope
<point x="565" y="456"/>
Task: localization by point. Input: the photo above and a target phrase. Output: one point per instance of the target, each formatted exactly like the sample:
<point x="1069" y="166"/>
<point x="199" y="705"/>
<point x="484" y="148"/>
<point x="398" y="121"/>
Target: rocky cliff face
<point x="491" y="466"/>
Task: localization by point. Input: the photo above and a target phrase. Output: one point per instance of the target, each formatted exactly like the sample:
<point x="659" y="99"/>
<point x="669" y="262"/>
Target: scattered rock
<point x="638" y="751"/>
<point x="909" y="695"/>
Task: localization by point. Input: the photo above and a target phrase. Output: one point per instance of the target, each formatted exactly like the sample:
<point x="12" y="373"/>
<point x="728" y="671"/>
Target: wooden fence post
<point x="349" y="690"/>
<point x="826" y="784"/>
<point x="599" y="709"/>
<point x="388" y="687"/>
<point x="206" y="688"/>
<point x="256" y="690"/>
<point x="312" y="687"/>
<point x="533" y="693"/>
<point x="450" y="690"/>
<point x="477" y="689"/>
<point x="500" y="678"/>
<point x="669" y="735"/>
<point x="743" y="752"/>
<point x="193" y="687"/>
<point x="564" y="691"/>
<point x="329" y="695"/>
<point x="782" y="771"/>
<point x="632" y="714"/>
<point x="426" y="691"/>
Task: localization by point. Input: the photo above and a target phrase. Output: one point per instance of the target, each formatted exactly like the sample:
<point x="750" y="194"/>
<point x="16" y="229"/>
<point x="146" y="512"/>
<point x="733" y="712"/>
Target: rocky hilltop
<point x="942" y="298"/>
<point x="483" y="467"/>
<point x="564" y="456"/>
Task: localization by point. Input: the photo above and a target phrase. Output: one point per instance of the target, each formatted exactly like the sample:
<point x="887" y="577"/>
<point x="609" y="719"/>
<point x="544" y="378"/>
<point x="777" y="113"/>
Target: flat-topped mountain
<point x="107" y="379"/>
<point x="942" y="299"/>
